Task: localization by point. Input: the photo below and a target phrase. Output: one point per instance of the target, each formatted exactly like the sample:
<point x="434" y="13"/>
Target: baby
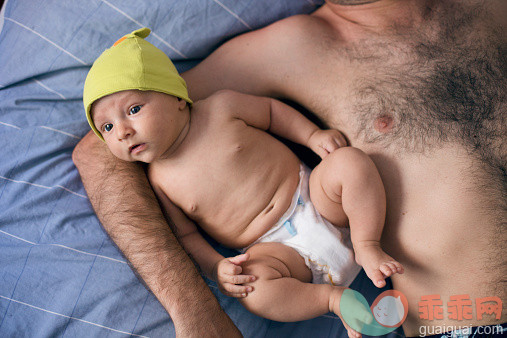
<point x="213" y="163"/>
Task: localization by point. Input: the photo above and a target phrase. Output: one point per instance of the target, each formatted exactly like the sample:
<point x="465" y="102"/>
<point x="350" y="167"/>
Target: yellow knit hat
<point x="131" y="63"/>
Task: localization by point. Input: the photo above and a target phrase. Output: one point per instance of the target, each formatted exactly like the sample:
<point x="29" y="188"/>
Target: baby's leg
<point x="283" y="291"/>
<point x="347" y="185"/>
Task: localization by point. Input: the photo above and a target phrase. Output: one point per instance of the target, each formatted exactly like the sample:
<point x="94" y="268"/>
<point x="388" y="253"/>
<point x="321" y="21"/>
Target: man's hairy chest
<point x="417" y="92"/>
<point x="414" y="92"/>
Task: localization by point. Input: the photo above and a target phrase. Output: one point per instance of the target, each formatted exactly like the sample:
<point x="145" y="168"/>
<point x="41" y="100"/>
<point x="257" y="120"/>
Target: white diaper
<point x="327" y="250"/>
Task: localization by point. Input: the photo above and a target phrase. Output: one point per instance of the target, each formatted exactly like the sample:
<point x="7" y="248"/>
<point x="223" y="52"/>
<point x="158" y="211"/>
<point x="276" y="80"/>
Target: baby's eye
<point x="134" y="110"/>
<point x="108" y="127"/>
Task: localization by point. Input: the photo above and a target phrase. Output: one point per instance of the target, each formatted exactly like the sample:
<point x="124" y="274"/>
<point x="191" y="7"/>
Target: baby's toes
<point x="399" y="267"/>
<point x="377" y="277"/>
<point x="387" y="269"/>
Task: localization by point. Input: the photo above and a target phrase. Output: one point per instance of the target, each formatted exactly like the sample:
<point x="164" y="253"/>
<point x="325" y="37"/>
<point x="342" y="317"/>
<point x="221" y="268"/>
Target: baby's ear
<point x="181" y="103"/>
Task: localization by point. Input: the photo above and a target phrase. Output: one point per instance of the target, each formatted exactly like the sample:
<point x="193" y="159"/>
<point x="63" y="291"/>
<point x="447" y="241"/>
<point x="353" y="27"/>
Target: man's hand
<point x="227" y="273"/>
<point x="324" y="142"/>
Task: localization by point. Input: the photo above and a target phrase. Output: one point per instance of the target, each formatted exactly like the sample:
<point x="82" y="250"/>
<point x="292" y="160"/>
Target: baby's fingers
<point x="227" y="268"/>
<point x="239" y="258"/>
<point x="332" y="146"/>
<point x="234" y="290"/>
<point x="322" y="152"/>
<point x="238" y="279"/>
<point x="340" y="140"/>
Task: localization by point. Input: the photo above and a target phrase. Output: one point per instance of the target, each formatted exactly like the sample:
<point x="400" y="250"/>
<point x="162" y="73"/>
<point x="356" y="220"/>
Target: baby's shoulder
<point x="222" y="97"/>
<point x="153" y="172"/>
<point x="216" y="106"/>
<point x="161" y="176"/>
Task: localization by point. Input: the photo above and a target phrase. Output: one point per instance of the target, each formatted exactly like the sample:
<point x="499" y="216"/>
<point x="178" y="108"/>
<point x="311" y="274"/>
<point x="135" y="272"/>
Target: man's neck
<point x="378" y="15"/>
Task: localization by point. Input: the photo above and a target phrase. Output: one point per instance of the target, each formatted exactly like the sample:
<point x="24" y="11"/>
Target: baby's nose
<point x="124" y="132"/>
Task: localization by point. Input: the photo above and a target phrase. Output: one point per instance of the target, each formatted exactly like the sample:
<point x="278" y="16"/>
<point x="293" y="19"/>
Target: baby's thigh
<point x="339" y="179"/>
<point x="276" y="260"/>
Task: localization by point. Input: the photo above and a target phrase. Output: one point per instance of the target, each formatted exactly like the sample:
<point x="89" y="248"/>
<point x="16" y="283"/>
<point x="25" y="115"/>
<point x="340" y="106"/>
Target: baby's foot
<point x="376" y="263"/>
<point x="361" y="315"/>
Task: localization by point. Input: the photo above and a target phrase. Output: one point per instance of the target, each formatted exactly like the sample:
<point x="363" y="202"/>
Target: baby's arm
<point x="225" y="271"/>
<point x="282" y="120"/>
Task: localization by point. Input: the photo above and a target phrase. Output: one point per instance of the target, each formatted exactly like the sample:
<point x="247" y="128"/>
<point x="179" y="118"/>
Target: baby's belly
<point x="265" y="219"/>
<point x="255" y="206"/>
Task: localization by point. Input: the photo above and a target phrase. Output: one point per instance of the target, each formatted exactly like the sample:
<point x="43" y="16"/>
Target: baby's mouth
<point x="133" y="148"/>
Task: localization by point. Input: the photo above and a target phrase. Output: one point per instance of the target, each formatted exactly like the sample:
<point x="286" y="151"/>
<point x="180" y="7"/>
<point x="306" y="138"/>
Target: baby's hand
<point x="227" y="273"/>
<point x="324" y="142"/>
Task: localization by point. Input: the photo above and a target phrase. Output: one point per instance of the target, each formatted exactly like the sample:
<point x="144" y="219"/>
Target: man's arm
<point x="129" y="212"/>
<point x="259" y="62"/>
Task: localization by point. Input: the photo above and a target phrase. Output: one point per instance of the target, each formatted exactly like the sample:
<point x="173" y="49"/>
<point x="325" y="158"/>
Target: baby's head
<point x="133" y="91"/>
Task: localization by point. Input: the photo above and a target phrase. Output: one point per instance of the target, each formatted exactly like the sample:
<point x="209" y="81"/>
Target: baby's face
<point x="140" y="125"/>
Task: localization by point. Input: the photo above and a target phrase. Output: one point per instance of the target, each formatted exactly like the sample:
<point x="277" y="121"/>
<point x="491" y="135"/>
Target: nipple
<point x="192" y="208"/>
<point x="384" y="123"/>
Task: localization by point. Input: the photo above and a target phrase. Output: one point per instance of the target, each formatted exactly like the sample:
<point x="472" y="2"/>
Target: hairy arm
<point x="129" y="212"/>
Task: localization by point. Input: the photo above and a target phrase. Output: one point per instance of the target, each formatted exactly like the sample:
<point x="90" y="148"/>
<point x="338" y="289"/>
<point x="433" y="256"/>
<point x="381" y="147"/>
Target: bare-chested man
<point x="419" y="86"/>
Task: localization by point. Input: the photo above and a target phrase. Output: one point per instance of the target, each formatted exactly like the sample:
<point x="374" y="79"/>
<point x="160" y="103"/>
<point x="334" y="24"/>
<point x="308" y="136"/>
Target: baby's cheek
<point x="117" y="153"/>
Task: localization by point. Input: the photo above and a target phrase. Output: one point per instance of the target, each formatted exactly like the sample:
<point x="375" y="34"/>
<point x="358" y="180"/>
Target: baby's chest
<point x="202" y="180"/>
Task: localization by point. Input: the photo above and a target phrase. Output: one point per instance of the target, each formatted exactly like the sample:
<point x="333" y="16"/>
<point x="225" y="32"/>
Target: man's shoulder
<point x="273" y="39"/>
<point x="298" y="21"/>
<point x="292" y="29"/>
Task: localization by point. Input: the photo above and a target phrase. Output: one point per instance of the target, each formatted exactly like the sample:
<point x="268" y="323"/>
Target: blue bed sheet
<point x="60" y="274"/>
